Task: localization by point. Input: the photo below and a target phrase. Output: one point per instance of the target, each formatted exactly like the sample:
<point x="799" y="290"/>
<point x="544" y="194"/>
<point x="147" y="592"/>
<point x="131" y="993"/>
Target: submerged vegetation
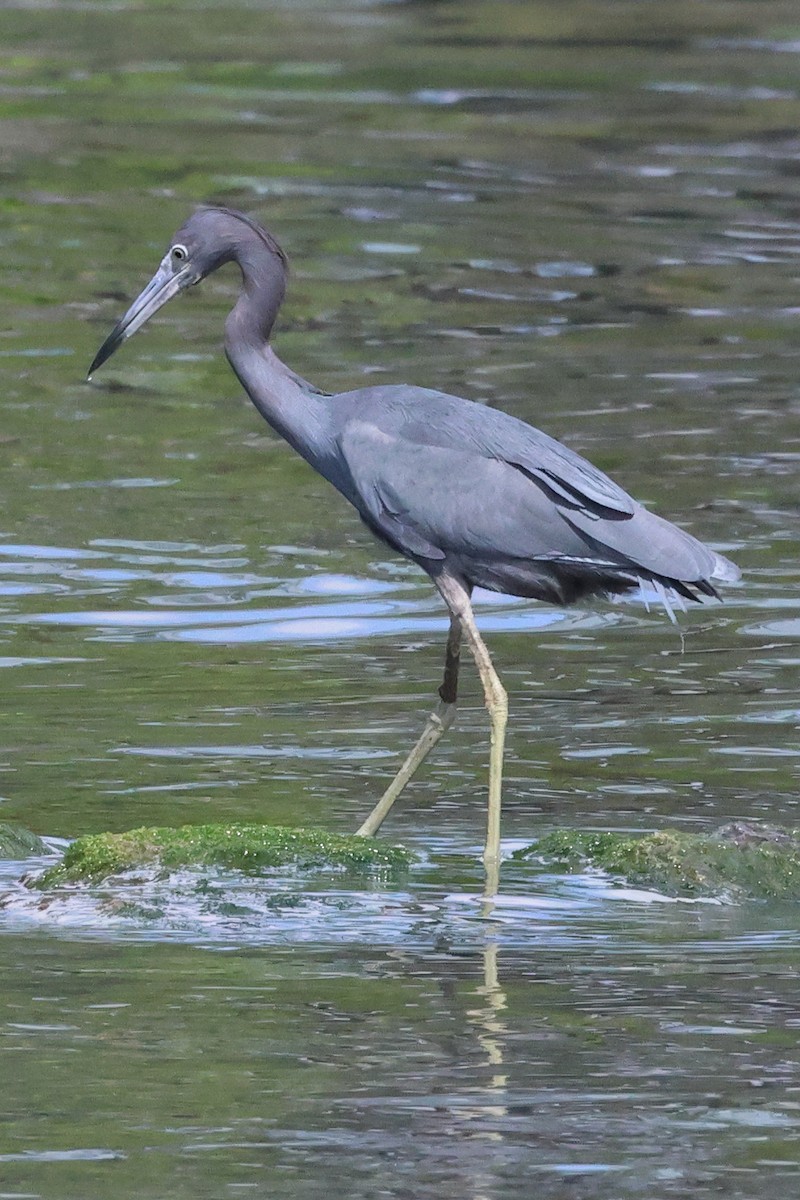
<point x="237" y="846"/>
<point x="18" y="842"/>
<point x="740" y="860"/>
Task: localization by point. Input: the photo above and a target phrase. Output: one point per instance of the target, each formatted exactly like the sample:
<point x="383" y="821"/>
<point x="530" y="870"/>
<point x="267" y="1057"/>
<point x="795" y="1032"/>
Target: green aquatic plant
<point x="237" y="846"/>
<point x="18" y="842"/>
<point x="740" y="860"/>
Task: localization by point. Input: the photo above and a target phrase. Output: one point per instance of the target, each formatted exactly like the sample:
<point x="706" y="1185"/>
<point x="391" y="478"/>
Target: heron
<point x="474" y="496"/>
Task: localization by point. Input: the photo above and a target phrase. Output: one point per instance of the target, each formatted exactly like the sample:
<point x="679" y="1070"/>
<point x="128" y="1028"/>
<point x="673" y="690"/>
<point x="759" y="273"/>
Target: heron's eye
<point x="179" y="254"/>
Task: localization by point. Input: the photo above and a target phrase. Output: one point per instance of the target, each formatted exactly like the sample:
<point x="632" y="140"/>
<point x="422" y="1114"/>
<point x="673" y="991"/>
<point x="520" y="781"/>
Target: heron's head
<point x="210" y="238"/>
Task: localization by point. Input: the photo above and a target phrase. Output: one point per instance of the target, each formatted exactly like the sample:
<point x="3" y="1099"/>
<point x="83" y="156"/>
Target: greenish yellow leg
<point x="458" y="601"/>
<point x="437" y="724"/>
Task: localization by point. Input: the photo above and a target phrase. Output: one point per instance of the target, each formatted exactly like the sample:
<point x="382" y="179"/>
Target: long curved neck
<point x="291" y="405"/>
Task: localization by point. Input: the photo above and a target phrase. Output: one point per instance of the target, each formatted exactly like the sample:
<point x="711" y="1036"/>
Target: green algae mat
<point x="244" y="847"/>
<point x="739" y="861"/>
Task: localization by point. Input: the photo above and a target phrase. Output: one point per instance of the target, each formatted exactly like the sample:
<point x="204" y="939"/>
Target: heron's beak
<point x="165" y="284"/>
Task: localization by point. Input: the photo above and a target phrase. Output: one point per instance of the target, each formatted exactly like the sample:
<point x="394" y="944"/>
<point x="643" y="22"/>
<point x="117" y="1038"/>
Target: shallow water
<point x="583" y="217"/>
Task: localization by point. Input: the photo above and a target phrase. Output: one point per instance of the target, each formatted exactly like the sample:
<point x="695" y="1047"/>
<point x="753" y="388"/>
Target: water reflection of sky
<point x="187" y="592"/>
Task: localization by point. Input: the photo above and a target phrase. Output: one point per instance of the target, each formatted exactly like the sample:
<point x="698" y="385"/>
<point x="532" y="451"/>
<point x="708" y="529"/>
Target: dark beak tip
<point x="97" y="363"/>
<point x="112" y="343"/>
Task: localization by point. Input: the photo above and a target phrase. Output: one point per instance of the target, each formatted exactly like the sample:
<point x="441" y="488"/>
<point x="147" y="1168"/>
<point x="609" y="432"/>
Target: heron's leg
<point x="437" y="724"/>
<point x="457" y="598"/>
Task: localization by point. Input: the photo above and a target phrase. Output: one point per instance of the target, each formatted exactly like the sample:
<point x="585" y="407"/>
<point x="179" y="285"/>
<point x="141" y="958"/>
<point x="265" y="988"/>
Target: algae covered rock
<point x="244" y="847"/>
<point x="18" y="842"/>
<point x="740" y="860"/>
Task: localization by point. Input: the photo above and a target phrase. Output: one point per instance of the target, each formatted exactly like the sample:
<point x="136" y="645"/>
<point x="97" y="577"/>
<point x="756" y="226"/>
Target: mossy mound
<point x="240" y="847"/>
<point x="18" y="842"/>
<point x="740" y="860"/>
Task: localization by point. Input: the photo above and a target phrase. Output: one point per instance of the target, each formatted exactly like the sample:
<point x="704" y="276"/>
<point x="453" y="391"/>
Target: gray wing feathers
<point x="440" y="477"/>
<point x="498" y="435"/>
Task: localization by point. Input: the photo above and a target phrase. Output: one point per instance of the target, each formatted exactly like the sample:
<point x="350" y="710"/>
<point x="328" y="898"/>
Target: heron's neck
<point x="291" y="405"/>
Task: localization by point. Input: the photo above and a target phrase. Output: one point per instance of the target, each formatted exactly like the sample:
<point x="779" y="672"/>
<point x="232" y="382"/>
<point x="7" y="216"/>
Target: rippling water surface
<point x="587" y="215"/>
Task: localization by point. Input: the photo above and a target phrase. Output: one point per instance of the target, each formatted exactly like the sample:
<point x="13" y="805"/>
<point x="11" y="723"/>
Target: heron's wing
<point x="446" y="421"/>
<point x="492" y="488"/>
<point x="433" y="501"/>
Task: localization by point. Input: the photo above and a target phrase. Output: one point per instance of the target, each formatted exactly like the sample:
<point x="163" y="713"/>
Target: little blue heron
<point x="474" y="496"/>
